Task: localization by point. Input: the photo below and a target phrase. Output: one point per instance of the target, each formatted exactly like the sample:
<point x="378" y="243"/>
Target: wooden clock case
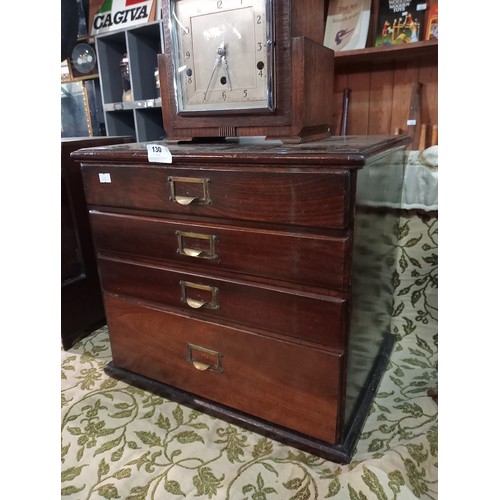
<point x="303" y="85"/>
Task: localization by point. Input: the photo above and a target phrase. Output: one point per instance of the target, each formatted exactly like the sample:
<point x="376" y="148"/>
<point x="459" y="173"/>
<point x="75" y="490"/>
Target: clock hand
<point x="216" y="64"/>
<point x="220" y="58"/>
<point x="226" y="69"/>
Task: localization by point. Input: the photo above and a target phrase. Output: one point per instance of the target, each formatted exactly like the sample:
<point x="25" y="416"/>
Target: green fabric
<point x="121" y="442"/>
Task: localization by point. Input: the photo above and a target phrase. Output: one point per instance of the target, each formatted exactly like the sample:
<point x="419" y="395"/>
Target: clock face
<point x="223" y="54"/>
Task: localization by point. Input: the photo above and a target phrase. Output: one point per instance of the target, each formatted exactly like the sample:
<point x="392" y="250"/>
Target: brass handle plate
<point x="196" y="245"/>
<point x="202" y="296"/>
<point x="204" y="359"/>
<point x="189" y="190"/>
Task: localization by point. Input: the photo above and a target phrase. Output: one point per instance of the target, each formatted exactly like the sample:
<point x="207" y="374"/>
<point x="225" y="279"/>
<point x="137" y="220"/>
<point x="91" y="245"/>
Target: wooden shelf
<point x="381" y="81"/>
<point x="379" y="54"/>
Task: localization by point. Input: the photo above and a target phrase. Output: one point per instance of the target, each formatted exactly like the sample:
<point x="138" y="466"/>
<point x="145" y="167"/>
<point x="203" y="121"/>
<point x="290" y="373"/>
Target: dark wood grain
<point x="279" y="381"/>
<point x="340" y="451"/>
<point x="242" y="193"/>
<point x="308" y="19"/>
<point x="289" y="256"/>
<point x="311" y="317"/>
<point x="351" y="152"/>
<point x="381" y="80"/>
<point x="281" y="276"/>
<point x="381" y="91"/>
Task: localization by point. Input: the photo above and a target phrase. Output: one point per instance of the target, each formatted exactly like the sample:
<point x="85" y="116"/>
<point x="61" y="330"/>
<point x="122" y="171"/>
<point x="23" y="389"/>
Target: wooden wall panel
<point x="341" y="82"/>
<point x="380" y="99"/>
<point x="428" y="75"/>
<point x="357" y="80"/>
<point x="309" y="19"/>
<point x="405" y="75"/>
<point x="381" y="93"/>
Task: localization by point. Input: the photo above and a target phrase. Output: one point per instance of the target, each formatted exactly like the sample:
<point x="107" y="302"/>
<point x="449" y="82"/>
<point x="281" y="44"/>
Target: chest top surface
<point x="342" y="151"/>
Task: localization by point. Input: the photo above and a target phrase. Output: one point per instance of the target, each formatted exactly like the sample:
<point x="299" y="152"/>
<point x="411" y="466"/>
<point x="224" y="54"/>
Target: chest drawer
<point x="306" y="258"/>
<point x="279" y="381"/>
<point x="310" y="317"/>
<point x="274" y="195"/>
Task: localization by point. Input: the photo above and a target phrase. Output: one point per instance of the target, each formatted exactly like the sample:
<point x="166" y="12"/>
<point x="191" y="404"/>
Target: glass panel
<point x="73" y="112"/>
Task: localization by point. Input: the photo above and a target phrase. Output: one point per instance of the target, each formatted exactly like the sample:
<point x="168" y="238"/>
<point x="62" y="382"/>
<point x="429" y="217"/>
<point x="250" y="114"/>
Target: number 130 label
<point x="159" y="153"/>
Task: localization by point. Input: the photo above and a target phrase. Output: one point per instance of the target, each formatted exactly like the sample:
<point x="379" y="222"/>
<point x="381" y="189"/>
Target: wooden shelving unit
<point x="140" y="118"/>
<point x="381" y="81"/>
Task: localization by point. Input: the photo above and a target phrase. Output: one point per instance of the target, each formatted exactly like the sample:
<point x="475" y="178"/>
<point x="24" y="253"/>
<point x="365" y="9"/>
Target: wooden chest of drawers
<point x="252" y="280"/>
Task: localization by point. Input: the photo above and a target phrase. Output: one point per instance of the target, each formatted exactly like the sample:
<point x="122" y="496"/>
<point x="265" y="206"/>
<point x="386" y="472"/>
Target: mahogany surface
<point x="257" y="370"/>
<point x="250" y="307"/>
<point x="311" y="317"/>
<point x="289" y="256"/>
<point x="144" y="188"/>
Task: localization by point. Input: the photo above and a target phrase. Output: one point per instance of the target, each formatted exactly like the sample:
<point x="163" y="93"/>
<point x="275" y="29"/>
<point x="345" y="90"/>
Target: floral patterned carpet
<point x="122" y="442"/>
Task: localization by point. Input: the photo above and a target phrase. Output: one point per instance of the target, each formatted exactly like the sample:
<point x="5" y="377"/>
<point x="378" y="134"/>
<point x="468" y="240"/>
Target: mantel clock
<point x="245" y="68"/>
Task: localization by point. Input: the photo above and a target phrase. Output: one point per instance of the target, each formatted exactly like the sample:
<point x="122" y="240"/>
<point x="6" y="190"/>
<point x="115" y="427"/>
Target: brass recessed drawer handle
<point x="201" y="366"/>
<point x="185" y="200"/>
<point x="201" y="246"/>
<point x="188" y="190"/>
<point x="195" y="304"/>
<point x="204" y="359"/>
<point x="202" y="296"/>
<point x="192" y="252"/>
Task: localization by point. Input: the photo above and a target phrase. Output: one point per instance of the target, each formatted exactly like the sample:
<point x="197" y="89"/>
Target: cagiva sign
<point x="113" y="15"/>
